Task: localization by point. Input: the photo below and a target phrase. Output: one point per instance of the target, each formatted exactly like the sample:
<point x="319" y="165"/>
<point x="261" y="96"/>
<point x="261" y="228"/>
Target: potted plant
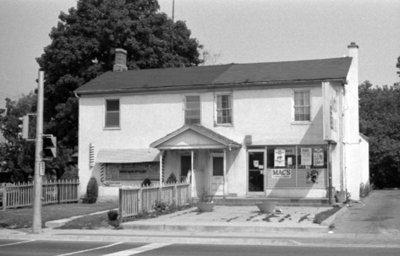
<point x="266" y="206"/>
<point x="206" y="204"/>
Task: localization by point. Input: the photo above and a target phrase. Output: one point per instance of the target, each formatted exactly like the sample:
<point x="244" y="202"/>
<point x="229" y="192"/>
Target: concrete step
<point x="280" y="201"/>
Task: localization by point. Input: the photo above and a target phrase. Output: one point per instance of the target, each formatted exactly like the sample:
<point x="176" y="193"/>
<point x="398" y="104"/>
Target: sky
<point x="232" y="31"/>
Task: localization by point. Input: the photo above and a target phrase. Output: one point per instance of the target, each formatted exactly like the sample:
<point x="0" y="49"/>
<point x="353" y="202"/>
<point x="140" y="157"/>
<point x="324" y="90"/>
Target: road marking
<point x="137" y="250"/>
<point x="22" y="242"/>
<point x="91" y="249"/>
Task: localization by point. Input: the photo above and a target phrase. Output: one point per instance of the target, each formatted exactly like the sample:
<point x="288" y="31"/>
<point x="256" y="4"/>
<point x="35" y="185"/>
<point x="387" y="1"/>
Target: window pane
<point x="112" y="105"/>
<point x="192" y="109"/>
<point x="302" y="106"/>
<point x="112" y="119"/>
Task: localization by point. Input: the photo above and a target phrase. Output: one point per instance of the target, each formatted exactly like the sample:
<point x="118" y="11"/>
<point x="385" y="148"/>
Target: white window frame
<point x="294" y="121"/>
<point x="216" y="108"/>
<point x="184" y="107"/>
<point x="105" y="115"/>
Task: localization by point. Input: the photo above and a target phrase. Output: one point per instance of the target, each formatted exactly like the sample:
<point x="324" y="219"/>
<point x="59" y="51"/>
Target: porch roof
<point x="141" y="155"/>
<point x="194" y="137"/>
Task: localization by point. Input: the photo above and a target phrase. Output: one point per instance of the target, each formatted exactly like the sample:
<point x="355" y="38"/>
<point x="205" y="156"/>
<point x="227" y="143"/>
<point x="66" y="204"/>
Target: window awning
<point x="128" y="155"/>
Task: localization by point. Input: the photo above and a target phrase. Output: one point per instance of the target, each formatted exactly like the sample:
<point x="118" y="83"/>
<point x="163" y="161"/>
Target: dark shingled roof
<point x="213" y="76"/>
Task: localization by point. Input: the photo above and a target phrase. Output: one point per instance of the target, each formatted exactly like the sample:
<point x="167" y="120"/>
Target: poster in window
<point x="305" y="156"/>
<point x="318" y="157"/>
<point x="279" y="157"/>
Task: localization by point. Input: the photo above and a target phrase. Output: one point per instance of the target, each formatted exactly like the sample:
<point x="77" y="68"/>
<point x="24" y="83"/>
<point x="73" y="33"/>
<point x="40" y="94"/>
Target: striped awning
<point x="128" y="155"/>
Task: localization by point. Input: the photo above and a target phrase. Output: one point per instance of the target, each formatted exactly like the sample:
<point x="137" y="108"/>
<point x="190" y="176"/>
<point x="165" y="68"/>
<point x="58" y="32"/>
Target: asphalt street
<point x="76" y="248"/>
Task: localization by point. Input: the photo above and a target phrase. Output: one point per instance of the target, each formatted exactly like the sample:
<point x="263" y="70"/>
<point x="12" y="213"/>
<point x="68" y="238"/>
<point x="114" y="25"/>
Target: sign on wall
<point x="305" y="156"/>
<point x="318" y="156"/>
<point x="281" y="173"/>
<point x="330" y="112"/>
<point x="279" y="157"/>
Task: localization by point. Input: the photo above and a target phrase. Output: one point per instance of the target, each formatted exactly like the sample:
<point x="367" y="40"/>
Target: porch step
<point x="240" y="201"/>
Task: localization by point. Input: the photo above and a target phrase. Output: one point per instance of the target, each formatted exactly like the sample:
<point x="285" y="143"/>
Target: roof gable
<point x="194" y="137"/>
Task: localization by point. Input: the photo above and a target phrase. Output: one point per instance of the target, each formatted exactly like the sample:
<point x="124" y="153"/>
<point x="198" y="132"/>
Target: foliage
<point x="146" y="182"/>
<point x="320" y="217"/>
<point x="16" y="155"/>
<point x="83" y="45"/>
<point x="92" y="191"/>
<point x="112" y="215"/>
<point x="380" y="121"/>
<point x="171" y="179"/>
<point x="160" y="206"/>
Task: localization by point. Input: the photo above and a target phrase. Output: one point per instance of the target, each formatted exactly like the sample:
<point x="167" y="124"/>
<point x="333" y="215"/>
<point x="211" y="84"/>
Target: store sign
<point x="330" y="112"/>
<point x="281" y="173"/>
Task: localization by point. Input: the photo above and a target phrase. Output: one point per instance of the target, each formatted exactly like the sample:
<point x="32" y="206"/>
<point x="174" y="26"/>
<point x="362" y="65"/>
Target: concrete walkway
<point x="234" y="219"/>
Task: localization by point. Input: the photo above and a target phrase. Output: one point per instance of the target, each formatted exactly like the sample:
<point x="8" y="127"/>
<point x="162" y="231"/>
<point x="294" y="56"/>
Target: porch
<point x="199" y="156"/>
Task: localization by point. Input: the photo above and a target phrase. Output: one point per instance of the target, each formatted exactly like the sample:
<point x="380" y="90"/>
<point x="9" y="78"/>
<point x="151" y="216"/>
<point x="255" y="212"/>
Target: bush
<point x="92" y="192"/>
<point x="160" y="206"/>
<point x="171" y="179"/>
<point x="112" y="215"/>
<point x="320" y="217"/>
<point x="146" y="182"/>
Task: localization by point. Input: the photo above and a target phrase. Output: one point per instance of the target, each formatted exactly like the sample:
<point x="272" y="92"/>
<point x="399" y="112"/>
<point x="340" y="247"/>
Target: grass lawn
<point x="22" y="217"/>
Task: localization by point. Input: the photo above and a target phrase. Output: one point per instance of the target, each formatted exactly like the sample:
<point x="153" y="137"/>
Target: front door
<point x="256" y="170"/>
<point x="217" y="179"/>
<point x="186" y="165"/>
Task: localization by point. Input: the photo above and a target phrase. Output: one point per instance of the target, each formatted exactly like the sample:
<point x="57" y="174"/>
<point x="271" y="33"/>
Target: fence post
<point x="4" y="191"/>
<point x="140" y="200"/>
<point x="175" y="195"/>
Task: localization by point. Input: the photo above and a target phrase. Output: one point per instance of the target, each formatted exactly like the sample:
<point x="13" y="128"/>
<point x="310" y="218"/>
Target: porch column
<point x="225" y="185"/>
<point x="192" y="170"/>
<point x="161" y="167"/>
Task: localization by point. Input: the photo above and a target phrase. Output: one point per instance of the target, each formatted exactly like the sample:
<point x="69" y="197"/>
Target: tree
<point x="380" y="121"/>
<point x="83" y="45"/>
<point x="17" y="155"/>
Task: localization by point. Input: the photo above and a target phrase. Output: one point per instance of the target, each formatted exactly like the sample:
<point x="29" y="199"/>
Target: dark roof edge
<point x="206" y="86"/>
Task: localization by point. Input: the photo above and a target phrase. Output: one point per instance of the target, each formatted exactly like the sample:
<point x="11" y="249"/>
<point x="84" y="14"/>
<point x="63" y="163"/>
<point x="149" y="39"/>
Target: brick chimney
<point x="120" y="60"/>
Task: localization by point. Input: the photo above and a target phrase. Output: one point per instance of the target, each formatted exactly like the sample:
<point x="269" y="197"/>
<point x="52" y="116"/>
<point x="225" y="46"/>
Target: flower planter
<point x="205" y="206"/>
<point x="266" y="207"/>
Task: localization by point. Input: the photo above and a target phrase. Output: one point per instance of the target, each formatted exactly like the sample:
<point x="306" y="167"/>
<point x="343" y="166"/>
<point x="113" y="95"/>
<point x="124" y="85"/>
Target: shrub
<point x="92" y="192"/>
<point x="146" y="182"/>
<point x="112" y="215"/>
<point x="160" y="206"/>
<point x="171" y="178"/>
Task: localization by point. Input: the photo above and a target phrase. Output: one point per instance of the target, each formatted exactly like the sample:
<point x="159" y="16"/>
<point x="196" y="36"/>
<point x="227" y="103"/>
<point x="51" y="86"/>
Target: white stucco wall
<point x="266" y="115"/>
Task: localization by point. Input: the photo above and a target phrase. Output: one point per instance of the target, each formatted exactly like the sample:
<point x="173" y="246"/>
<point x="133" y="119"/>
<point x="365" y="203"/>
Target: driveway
<point x="379" y="213"/>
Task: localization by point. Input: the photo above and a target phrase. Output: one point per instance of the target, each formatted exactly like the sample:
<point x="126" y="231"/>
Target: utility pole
<point x="39" y="165"/>
<point x="173" y="10"/>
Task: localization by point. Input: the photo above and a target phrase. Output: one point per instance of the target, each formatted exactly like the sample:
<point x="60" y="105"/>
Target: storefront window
<point x="281" y="157"/>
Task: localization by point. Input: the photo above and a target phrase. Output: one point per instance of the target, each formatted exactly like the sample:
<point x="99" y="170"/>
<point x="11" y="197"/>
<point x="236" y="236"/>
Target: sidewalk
<point x="240" y="219"/>
<point x="225" y="225"/>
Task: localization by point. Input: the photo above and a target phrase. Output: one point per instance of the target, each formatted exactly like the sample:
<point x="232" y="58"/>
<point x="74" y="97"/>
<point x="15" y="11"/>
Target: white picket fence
<point x="138" y="200"/>
<point x="14" y="195"/>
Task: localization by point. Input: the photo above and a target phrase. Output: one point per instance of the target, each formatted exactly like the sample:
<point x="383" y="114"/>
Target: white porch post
<point x="161" y="168"/>
<point x="192" y="170"/>
<point x="225" y="178"/>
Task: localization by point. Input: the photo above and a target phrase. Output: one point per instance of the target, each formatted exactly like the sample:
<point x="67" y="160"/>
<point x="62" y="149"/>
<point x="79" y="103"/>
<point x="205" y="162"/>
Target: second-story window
<point x="192" y="109"/>
<point x="224" y="109"/>
<point x="302" y="106"/>
<point x="112" y="113"/>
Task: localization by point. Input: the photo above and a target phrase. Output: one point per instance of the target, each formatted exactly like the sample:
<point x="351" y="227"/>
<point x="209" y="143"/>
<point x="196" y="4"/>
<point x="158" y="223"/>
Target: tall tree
<point x="16" y="155"/>
<point x="83" y="45"/>
<point x="380" y="121"/>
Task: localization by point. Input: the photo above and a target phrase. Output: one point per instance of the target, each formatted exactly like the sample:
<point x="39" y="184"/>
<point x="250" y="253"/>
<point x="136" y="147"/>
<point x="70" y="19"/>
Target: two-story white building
<point x="276" y="130"/>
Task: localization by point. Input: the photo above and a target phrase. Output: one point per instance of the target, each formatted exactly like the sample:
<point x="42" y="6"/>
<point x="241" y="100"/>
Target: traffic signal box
<point x="49" y="147"/>
<point x="24" y="127"/>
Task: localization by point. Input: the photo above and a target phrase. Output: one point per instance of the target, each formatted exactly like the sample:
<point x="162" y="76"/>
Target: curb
<point x="188" y="227"/>
<point x="62" y="222"/>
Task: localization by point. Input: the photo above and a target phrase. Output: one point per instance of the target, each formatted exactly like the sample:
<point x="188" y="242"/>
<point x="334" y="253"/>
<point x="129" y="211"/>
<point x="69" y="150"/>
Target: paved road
<point x="379" y="213"/>
<point x="66" y="248"/>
